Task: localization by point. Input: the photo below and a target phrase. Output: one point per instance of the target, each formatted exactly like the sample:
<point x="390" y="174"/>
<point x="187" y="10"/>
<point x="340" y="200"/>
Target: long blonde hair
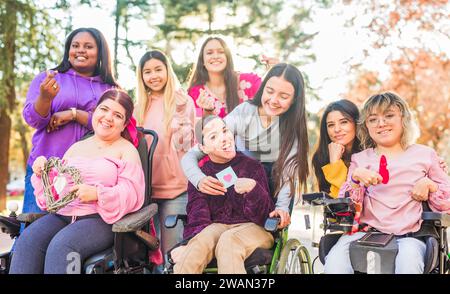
<point x="143" y="92"/>
<point x="382" y="102"/>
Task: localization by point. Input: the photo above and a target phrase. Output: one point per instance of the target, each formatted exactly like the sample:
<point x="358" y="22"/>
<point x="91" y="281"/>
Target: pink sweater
<point x="248" y="86"/>
<point x="389" y="207"/>
<point x="168" y="179"/>
<point x="120" y="188"/>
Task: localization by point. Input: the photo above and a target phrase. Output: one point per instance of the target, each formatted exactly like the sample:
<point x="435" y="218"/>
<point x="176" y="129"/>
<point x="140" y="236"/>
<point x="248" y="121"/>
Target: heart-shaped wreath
<point x="54" y="181"/>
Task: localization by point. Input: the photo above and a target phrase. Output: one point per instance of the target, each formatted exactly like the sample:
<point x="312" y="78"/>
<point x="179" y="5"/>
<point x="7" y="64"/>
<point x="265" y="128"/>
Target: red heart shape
<point x="227" y="177"/>
<point x="383" y="171"/>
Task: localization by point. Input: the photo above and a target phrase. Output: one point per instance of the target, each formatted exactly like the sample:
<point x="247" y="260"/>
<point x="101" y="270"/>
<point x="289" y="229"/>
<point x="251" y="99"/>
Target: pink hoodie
<point x="168" y="179"/>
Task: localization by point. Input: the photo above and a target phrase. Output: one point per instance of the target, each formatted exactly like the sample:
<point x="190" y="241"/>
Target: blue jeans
<point x="29" y="200"/>
<point x="410" y="257"/>
<point x="170" y="237"/>
<point x="54" y="245"/>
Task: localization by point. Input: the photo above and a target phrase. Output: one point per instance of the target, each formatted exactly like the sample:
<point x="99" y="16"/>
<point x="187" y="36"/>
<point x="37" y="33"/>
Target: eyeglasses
<point x="374" y="121"/>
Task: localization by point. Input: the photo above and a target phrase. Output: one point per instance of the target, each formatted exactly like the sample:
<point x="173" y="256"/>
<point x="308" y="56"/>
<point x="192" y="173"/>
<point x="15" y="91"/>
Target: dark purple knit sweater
<point x="232" y="208"/>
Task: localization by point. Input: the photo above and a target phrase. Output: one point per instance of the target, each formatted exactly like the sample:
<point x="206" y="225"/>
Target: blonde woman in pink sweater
<point x="164" y="107"/>
<point x="392" y="197"/>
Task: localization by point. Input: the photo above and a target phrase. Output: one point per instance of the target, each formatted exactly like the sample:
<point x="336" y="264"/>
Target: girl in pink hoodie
<point x="165" y="108"/>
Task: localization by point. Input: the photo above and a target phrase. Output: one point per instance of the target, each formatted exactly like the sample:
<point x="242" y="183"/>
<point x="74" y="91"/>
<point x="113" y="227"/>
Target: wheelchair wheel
<point x="294" y="259"/>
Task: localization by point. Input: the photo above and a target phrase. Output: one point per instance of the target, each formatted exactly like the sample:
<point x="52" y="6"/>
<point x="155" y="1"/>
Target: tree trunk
<point x="9" y="98"/>
<point x="22" y="130"/>
<point x="116" y="37"/>
<point x="5" y="131"/>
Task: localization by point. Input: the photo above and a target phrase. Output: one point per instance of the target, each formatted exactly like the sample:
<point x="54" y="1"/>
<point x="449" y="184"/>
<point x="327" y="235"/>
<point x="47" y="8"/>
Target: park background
<point x="346" y="49"/>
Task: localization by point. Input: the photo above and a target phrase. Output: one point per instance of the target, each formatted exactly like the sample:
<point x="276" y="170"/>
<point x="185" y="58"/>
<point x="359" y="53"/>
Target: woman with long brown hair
<point x="272" y="129"/>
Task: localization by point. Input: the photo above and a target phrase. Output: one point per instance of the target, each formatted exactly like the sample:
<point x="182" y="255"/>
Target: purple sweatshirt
<point x="232" y="208"/>
<point x="75" y="91"/>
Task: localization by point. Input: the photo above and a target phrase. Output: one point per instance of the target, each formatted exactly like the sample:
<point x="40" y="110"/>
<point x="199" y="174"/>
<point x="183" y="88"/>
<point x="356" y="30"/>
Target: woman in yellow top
<point x="337" y="143"/>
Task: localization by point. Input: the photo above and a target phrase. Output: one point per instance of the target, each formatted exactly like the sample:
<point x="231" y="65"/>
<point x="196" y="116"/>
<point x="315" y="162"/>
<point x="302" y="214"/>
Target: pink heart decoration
<point x="227" y="177"/>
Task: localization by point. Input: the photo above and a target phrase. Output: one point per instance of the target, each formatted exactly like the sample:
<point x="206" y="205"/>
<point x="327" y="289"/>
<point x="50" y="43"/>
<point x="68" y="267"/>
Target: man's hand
<point x="244" y="185"/>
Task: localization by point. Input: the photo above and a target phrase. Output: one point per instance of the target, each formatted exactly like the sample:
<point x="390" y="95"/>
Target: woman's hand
<point x="49" y="87"/>
<point x="205" y="101"/>
<point x="211" y="186"/>
<point x="367" y="177"/>
<point x="85" y="193"/>
<point x="269" y="61"/>
<point x="285" y="218"/>
<point x="181" y="98"/>
<point x="59" y="119"/>
<point x="244" y="185"/>
<point x="38" y="165"/>
<point x="422" y="189"/>
<point x="336" y="151"/>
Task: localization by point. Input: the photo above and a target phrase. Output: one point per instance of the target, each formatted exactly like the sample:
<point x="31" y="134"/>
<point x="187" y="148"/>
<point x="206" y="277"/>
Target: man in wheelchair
<point x="228" y="227"/>
<point x="82" y="232"/>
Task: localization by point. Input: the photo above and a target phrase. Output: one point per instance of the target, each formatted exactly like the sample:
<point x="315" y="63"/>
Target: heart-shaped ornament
<point x="55" y="177"/>
<point x="59" y="183"/>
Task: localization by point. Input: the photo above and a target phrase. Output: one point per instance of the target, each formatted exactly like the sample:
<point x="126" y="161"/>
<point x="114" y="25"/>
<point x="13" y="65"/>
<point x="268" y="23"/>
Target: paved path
<point x="297" y="230"/>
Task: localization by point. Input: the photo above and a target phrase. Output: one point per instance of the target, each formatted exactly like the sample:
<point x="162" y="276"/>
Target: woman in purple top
<point x="60" y="102"/>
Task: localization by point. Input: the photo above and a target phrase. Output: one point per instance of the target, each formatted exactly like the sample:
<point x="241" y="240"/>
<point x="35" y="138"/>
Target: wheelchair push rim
<point x="294" y="259"/>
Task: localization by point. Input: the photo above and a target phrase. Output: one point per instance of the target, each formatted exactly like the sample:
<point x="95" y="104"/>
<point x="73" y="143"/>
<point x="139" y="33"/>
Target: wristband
<point x="74" y="113"/>
<point x="355" y="181"/>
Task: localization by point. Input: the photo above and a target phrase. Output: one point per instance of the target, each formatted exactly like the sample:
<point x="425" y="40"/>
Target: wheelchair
<point x="132" y="239"/>
<point x="287" y="256"/>
<point x="338" y="220"/>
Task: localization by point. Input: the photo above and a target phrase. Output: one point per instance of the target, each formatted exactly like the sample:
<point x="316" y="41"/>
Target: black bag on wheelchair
<point x="374" y="253"/>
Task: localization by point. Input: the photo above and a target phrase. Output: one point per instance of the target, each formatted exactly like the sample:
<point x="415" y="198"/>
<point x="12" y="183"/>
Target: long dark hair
<point x="123" y="99"/>
<point x="322" y="156"/>
<point x="103" y="66"/>
<point x="292" y="130"/>
<point x="200" y="75"/>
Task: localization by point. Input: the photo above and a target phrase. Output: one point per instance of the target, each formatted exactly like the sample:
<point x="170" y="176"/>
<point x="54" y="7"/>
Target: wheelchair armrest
<point x="271" y="224"/>
<point x="9" y="225"/>
<point x="441" y="219"/>
<point x="29" y="217"/>
<point x="316" y="198"/>
<point x="172" y="220"/>
<point x="136" y="220"/>
<point x="332" y="201"/>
